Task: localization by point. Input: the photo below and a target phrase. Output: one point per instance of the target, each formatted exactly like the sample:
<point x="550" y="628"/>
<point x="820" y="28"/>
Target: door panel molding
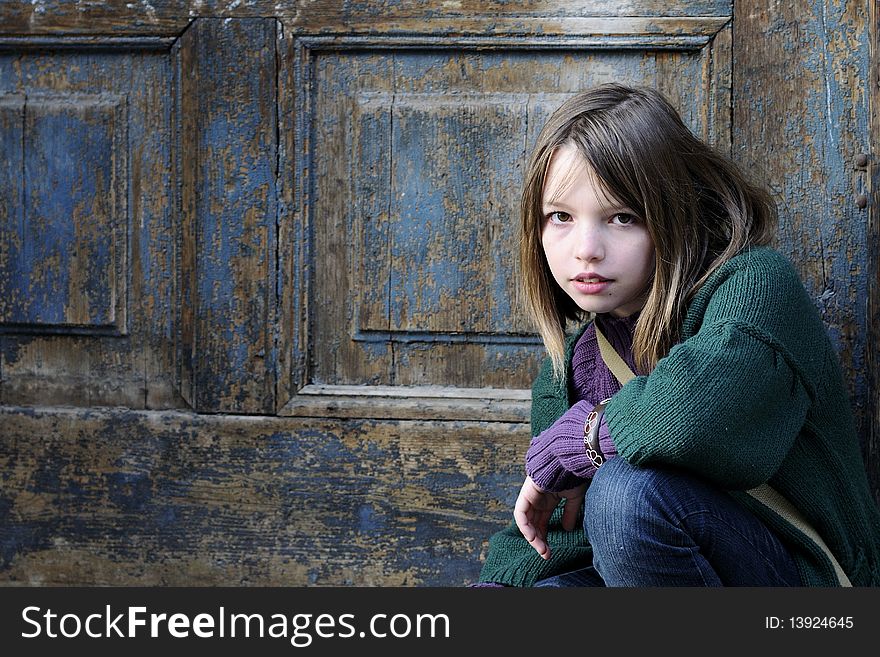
<point x="67" y="227"/>
<point x="91" y="222"/>
<point x="86" y="42"/>
<point x="228" y="158"/>
<point x="376" y="321"/>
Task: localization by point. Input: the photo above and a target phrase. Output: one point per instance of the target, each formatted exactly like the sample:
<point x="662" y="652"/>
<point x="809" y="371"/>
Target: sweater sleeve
<point x="550" y="396"/>
<point x="729" y="401"/>
<point x="556" y="459"/>
<point x="511" y="561"/>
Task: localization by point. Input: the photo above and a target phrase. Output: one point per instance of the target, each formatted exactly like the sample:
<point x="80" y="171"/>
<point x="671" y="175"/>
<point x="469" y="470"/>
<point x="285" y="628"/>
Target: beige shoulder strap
<point x="765" y="494"/>
<point x="773" y="499"/>
<point x="613" y="360"/>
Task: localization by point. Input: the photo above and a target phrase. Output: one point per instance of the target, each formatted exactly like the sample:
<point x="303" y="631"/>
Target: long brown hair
<point x="699" y="209"/>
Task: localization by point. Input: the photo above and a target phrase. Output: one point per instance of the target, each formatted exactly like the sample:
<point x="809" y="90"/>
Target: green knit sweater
<point x="753" y="393"/>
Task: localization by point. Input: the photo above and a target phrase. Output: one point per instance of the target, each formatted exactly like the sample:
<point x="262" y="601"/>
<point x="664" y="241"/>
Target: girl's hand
<point x="535" y="506"/>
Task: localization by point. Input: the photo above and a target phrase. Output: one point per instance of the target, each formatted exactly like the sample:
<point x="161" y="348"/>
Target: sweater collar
<point x="618" y="330"/>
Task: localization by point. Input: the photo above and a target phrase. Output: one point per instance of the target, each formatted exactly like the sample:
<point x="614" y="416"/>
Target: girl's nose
<point x="590" y="244"/>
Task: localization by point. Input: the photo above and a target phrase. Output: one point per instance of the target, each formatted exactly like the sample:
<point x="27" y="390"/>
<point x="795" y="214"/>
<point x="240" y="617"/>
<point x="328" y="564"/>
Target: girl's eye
<point x="558" y="217"/>
<point x="624" y="219"/>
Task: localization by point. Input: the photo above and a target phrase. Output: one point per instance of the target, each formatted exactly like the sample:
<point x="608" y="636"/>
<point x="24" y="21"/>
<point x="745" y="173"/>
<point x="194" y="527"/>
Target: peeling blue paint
<point x="62" y="227"/>
<point x="236" y="139"/>
<point x="130" y="491"/>
<point x="370" y="520"/>
<point x="21" y="538"/>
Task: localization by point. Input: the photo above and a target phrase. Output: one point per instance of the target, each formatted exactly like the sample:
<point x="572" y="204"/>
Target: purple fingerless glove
<point x="556" y="459"/>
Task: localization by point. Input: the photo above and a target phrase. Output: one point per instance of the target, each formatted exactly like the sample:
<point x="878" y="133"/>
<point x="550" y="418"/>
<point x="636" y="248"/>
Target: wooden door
<point x="258" y="319"/>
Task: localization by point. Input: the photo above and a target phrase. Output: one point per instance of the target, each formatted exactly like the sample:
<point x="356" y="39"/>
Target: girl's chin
<point x="610" y="309"/>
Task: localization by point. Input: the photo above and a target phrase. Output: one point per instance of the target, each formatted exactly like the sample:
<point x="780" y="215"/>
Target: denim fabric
<point x="660" y="526"/>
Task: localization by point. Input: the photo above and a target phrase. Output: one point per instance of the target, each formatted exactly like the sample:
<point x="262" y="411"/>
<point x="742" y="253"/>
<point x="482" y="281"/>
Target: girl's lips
<point x="593" y="286"/>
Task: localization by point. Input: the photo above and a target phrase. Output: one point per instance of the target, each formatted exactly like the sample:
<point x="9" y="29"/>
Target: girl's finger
<point x="570" y="514"/>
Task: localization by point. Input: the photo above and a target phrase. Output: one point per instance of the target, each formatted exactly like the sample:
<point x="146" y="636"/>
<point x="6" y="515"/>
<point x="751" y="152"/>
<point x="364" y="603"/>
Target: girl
<point x="655" y="247"/>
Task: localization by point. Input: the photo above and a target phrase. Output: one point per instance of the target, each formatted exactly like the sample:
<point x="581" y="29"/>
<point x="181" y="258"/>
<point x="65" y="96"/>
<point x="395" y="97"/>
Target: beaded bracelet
<point x="591" y="433"/>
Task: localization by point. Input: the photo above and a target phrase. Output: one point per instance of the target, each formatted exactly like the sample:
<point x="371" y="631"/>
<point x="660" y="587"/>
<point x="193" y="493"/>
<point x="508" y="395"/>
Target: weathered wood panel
<point x="89" y="244"/>
<point x="12" y="216"/>
<point x="66" y="227"/>
<point x="124" y="17"/>
<point x="800" y="125"/>
<point x="872" y="410"/>
<point x="152" y="498"/>
<point x="229" y="158"/>
<point x="155" y="230"/>
<point x="411" y="186"/>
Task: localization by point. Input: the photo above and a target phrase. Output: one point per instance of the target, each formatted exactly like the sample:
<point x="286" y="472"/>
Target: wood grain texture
<point x="412" y="403"/>
<point x="124" y="17"/>
<point x="872" y="411"/>
<point x="66" y="228"/>
<point x="411" y="191"/>
<point x="152" y="498"/>
<point x="799" y="126"/>
<point x="229" y="151"/>
<point x="100" y="231"/>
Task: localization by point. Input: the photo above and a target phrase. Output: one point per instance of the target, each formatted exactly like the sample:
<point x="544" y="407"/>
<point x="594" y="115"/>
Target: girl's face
<point x="599" y="250"/>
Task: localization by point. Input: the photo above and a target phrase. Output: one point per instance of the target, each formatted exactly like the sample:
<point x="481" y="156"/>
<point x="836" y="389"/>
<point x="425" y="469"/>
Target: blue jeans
<point x="659" y="526"/>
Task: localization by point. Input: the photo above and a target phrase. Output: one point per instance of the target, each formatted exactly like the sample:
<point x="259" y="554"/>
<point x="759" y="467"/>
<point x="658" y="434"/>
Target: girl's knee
<point x="622" y="500"/>
<point x="614" y="484"/>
